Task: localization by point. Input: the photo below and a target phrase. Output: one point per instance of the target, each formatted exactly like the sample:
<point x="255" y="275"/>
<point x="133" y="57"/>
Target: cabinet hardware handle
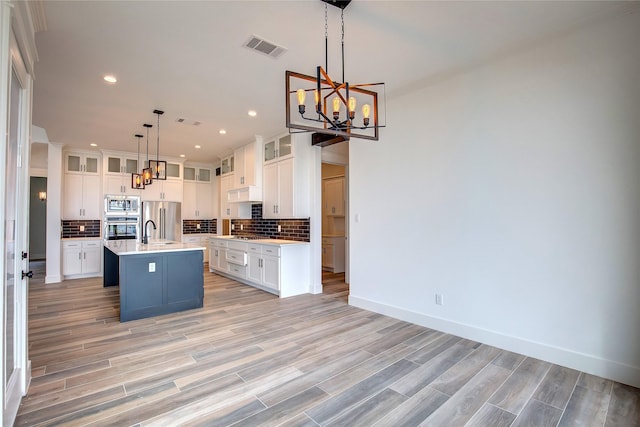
<point x="79" y="255"/>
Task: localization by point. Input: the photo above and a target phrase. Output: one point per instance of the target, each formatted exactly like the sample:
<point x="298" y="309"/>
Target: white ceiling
<point x="187" y="58"/>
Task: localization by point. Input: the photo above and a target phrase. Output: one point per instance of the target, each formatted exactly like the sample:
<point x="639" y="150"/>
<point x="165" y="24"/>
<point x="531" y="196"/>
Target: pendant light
<point x="146" y="172"/>
<point x="136" y="179"/>
<point x="159" y="167"/>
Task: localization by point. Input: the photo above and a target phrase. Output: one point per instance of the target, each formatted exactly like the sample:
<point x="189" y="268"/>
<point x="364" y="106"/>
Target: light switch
<point x="152" y="267"/>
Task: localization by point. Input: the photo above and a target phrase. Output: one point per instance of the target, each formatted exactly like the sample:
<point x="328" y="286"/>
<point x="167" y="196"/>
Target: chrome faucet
<point x="145" y="235"/>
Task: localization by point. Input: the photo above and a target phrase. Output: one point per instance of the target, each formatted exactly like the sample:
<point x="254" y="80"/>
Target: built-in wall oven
<point x="121" y="217"/>
<point x="121" y="228"/>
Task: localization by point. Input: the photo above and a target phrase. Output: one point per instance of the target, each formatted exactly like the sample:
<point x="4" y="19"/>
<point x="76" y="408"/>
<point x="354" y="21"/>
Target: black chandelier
<point x="342" y="98"/>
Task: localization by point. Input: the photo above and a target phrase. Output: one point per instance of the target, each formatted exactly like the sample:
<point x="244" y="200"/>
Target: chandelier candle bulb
<point x="366" y="109"/>
<point x="301" y="96"/>
<point x="336" y="108"/>
<point x="352" y="107"/>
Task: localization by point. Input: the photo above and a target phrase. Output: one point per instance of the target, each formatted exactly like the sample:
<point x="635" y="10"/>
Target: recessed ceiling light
<point x="252" y="113"/>
<point x="222" y="132"/>
<point x="110" y="78"/>
<point x="182" y="155"/>
<point x="197" y="146"/>
<point x="93" y="144"/>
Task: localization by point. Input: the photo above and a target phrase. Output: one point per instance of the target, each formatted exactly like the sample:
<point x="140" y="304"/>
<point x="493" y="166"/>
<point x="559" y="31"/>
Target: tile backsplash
<point x="71" y="228"/>
<point x="207" y="226"/>
<point x="290" y="229"/>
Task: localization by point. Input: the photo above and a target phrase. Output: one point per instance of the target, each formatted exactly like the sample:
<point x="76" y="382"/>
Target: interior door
<point x="13" y="328"/>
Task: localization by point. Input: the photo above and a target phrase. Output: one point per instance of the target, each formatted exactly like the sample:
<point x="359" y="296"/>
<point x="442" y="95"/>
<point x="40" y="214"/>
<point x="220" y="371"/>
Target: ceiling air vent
<point x="186" y="121"/>
<point x="266" y="48"/>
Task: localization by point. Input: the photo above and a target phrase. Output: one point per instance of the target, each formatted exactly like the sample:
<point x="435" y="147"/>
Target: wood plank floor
<point x="248" y="358"/>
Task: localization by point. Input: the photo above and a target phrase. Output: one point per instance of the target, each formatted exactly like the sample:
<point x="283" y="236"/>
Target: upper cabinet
<point x="248" y="165"/>
<point x="82" y="163"/>
<point x="117" y="169"/>
<point x="278" y="148"/>
<point x="227" y="165"/>
<point x="199" y="195"/>
<point x="247" y="177"/>
<point x="197" y="173"/>
<point x="169" y="189"/>
<point x="82" y="196"/>
<point x="287" y="178"/>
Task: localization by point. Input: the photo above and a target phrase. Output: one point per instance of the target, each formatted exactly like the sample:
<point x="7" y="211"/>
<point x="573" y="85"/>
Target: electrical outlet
<point x="279" y="228"/>
<point x="197" y="226"/>
<point x="439" y="299"/>
<point x="241" y="227"/>
<point x="233" y="226"/>
<point x="152" y="267"/>
<point x="82" y="228"/>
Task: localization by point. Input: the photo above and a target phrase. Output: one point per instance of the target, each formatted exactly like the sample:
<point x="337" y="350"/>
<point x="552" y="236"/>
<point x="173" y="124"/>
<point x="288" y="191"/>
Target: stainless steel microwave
<point x="121" y="205"/>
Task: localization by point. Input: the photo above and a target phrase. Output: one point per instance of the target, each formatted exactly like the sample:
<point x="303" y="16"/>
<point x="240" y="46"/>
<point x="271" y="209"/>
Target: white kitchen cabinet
<point x="197" y="200"/>
<point x="286" y="181"/>
<point x="227" y="208"/>
<point x="282" y="269"/>
<point x="198" y="193"/>
<point x="82" y="163"/>
<point x="333" y="254"/>
<point x="81" y="258"/>
<point x="201" y="240"/>
<point x="218" y="255"/>
<point x="227" y="165"/>
<point x="248" y="165"/>
<point x="197" y="173"/>
<point x="169" y="190"/>
<point x="333" y="196"/>
<point x="117" y="169"/>
<point x="278" y="148"/>
<point x="82" y="192"/>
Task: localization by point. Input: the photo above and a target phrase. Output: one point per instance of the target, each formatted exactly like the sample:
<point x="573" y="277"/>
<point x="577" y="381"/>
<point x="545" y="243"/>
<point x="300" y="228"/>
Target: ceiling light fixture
<point x="252" y="113"/>
<point x="342" y="98"/>
<point x="137" y="182"/>
<point x="159" y="167"/>
<point x="93" y="144"/>
<point x="110" y="79"/>
<point x="222" y="132"/>
<point x="147" y="178"/>
<point x="197" y="146"/>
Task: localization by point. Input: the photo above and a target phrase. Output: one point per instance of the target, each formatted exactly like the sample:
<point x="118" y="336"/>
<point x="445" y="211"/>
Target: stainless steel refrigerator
<point x="168" y="219"/>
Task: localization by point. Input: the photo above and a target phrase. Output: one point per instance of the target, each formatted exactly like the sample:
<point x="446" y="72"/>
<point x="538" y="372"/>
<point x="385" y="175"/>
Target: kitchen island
<point x="154" y="279"/>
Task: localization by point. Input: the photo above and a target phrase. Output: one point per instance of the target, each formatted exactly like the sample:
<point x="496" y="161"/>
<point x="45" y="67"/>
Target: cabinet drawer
<point x="271" y="250"/>
<point x="92" y="244"/>
<point x="240" y="246"/>
<point x="255" y="249"/>
<point x="238" y="270"/>
<point x="67" y="245"/>
<point x="219" y="243"/>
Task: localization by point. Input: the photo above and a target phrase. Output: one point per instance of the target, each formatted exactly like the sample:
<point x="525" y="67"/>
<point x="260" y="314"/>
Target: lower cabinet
<point x="198" y="239"/>
<point x="333" y="254"/>
<point x="81" y="257"/>
<point x="282" y="269"/>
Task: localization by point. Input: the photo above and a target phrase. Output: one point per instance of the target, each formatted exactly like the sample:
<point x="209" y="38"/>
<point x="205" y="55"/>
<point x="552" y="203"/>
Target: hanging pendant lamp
<point x="158" y="167"/>
<point x="147" y="177"/>
<point x="333" y="117"/>
<point x="137" y="182"/>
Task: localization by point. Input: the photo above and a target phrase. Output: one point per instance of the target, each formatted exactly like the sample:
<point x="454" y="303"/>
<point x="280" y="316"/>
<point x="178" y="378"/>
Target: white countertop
<point x="131" y="247"/>
<point x="275" y="242"/>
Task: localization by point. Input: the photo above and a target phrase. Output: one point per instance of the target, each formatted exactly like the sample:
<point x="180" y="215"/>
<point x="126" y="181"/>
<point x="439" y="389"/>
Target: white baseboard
<point x="52" y="279"/>
<point x="588" y="363"/>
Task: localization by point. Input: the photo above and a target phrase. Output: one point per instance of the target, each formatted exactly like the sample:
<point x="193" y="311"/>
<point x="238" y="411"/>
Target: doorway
<point x="334" y="230"/>
<point x="37" y="218"/>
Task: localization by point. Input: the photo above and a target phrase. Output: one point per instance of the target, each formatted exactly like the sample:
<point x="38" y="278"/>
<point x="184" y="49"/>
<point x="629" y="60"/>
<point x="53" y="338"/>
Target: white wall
<point x="513" y="190"/>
